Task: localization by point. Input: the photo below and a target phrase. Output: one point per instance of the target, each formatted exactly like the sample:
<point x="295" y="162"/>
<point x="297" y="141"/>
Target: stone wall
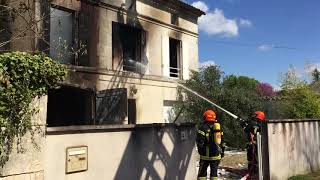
<point x="26" y="159"/>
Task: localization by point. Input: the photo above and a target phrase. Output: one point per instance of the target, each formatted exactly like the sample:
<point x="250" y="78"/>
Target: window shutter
<point x="116" y="47"/>
<point x="143" y="51"/>
<point x="111" y="106"/>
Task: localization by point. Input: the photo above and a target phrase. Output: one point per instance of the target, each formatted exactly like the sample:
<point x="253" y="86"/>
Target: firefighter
<point x="210" y="145"/>
<point x="251" y="128"/>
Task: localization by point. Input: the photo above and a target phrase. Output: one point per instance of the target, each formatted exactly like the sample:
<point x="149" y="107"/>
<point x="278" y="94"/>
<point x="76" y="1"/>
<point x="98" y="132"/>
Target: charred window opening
<point x="174" y="19"/>
<point x="61" y="34"/>
<point x="128" y="47"/>
<point x="69" y="106"/>
<point x="132" y="111"/>
<point x="175" y="57"/>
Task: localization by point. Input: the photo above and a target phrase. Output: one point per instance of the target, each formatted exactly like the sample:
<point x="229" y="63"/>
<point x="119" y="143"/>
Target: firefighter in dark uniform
<point x="210" y="146"/>
<point x="251" y="128"/>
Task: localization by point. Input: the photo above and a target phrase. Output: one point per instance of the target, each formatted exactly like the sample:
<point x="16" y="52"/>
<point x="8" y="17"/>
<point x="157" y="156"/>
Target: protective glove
<point x="201" y="144"/>
<point x="222" y="154"/>
<point x="223" y="147"/>
<point x="243" y="123"/>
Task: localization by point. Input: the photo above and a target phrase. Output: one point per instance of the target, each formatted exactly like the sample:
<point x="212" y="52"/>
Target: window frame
<point x="75" y="23"/>
<point x="179" y="59"/>
<point x="117" y="57"/>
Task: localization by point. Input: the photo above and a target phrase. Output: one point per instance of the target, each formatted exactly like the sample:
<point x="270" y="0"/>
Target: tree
<point x="297" y="99"/>
<point x="240" y="97"/>
<point x="266" y="90"/>
<point x="301" y="103"/>
<point x="236" y="94"/>
<point x="315" y="75"/>
<point x="206" y="82"/>
<point x="290" y="79"/>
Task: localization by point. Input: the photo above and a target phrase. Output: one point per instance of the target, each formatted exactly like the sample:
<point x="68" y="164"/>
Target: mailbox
<point x="76" y="159"/>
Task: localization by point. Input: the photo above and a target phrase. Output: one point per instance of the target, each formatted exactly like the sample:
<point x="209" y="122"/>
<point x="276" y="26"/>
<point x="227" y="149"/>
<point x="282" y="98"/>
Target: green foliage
<point x="23" y="77"/>
<point x="315" y="75"/>
<point x="301" y="103"/>
<point x="310" y="176"/>
<point x="290" y="79"/>
<point x="241" y="96"/>
<point x="236" y="94"/>
<point x="297" y="99"/>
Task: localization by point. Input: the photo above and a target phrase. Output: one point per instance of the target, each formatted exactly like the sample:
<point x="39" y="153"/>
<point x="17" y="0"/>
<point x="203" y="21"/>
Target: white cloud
<point x="215" y="22"/>
<point x="265" y="47"/>
<point x="200" y="5"/>
<point x="207" y="63"/>
<point x="310" y="67"/>
<point x="245" y="23"/>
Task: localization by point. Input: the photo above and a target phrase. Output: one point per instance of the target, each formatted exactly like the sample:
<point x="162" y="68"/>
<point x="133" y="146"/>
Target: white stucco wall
<point x="293" y="148"/>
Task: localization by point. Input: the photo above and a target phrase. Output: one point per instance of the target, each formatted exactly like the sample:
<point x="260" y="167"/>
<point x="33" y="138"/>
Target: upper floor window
<point x="128" y="48"/>
<point x="61" y="34"/>
<point x="175" y="58"/>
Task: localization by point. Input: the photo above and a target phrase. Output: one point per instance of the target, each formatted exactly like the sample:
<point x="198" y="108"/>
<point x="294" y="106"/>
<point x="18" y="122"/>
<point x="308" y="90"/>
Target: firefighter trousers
<point x="202" y="174"/>
<point x="252" y="157"/>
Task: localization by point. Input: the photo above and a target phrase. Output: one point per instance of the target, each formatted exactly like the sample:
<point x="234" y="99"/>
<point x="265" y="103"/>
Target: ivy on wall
<point x="23" y="77"/>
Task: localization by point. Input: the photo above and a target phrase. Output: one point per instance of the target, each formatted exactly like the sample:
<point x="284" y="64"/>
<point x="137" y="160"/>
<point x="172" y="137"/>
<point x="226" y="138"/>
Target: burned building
<point x="124" y="58"/>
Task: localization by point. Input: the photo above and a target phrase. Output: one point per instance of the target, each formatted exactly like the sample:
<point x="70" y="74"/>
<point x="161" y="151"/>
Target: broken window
<point x="175" y="57"/>
<point x="70" y="106"/>
<point x="128" y="47"/>
<point x="61" y="34"/>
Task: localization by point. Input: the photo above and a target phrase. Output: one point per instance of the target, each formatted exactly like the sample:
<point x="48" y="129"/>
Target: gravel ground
<point x="232" y="166"/>
<point x="234" y="159"/>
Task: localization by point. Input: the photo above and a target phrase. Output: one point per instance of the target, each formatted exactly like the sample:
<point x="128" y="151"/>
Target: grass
<point x="311" y="176"/>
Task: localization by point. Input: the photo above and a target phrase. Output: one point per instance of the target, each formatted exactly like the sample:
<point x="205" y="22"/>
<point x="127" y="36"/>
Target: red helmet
<point x="209" y="115"/>
<point x="259" y="115"/>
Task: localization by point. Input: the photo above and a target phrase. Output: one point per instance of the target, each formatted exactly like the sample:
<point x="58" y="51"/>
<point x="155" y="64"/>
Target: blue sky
<point x="259" y="38"/>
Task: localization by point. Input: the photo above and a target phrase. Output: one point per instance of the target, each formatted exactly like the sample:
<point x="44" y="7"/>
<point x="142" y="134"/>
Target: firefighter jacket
<point x="251" y="127"/>
<point x="209" y="141"/>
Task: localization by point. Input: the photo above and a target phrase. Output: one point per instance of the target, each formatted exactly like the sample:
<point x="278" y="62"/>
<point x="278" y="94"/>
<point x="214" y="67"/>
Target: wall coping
<point x="110" y="128"/>
<point x="102" y="71"/>
<point x="290" y="120"/>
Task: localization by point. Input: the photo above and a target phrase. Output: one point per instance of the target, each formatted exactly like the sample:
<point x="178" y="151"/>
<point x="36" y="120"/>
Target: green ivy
<point x="23" y="77"/>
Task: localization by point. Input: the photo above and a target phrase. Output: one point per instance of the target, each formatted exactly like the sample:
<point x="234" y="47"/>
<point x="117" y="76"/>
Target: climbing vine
<point x="23" y="77"/>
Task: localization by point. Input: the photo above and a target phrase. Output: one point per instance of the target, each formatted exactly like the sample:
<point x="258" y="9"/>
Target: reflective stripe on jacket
<point x="207" y="147"/>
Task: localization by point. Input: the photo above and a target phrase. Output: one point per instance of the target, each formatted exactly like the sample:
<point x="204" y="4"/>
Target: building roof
<point x="194" y="10"/>
<point x="181" y="6"/>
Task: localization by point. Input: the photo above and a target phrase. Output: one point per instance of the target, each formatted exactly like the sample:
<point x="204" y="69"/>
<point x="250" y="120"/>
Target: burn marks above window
<point x="174" y="19"/>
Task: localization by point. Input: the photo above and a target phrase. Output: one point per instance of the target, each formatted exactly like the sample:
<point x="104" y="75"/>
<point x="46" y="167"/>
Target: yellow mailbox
<point x="76" y="159"/>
